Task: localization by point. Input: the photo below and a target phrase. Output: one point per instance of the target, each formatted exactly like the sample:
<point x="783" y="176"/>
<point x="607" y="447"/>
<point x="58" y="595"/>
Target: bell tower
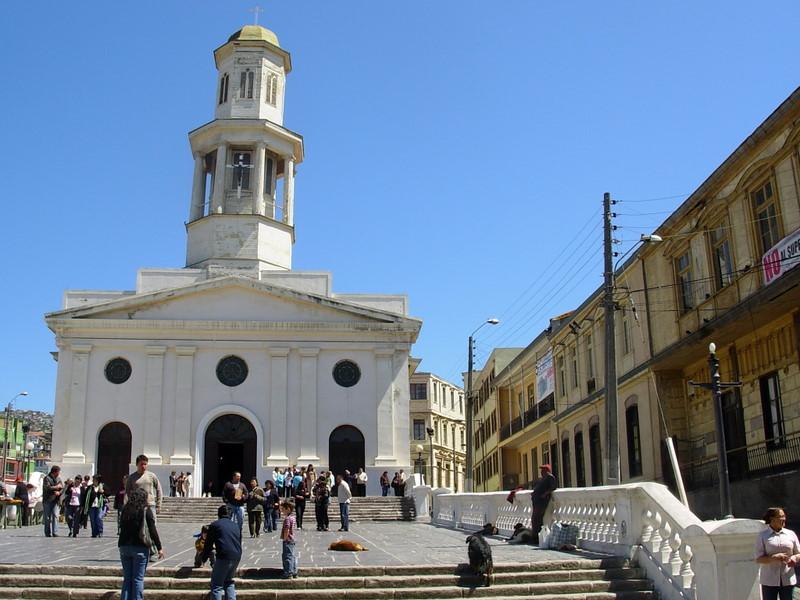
<point x="242" y="208"/>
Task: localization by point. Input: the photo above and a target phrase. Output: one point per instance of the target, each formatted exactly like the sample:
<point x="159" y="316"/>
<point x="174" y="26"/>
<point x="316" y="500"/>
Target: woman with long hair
<point x="138" y="534"/>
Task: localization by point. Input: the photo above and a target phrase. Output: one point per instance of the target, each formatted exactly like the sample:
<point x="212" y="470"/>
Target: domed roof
<point x="254" y="33"/>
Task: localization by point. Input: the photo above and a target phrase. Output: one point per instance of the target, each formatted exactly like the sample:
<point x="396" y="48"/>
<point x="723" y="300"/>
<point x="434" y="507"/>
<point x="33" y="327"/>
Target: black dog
<point x="522" y="535"/>
<point x="480" y="552"/>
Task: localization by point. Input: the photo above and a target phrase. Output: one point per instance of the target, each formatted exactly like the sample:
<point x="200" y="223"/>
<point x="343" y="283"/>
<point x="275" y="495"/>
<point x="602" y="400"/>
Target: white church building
<point x="234" y="362"/>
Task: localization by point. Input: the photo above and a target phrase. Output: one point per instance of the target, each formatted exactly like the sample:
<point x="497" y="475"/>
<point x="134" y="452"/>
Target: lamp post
<point x="470" y="448"/>
<point x="29" y="452"/>
<point x="419" y="449"/>
<point x="431" y="431"/>
<point x="9" y="408"/>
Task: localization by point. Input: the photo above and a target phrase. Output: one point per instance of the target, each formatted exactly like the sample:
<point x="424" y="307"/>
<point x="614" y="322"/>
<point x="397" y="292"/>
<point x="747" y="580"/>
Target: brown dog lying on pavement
<point x="347" y="546"/>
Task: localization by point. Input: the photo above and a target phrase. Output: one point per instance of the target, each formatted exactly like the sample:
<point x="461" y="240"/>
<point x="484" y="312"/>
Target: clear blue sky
<point x="457" y="151"/>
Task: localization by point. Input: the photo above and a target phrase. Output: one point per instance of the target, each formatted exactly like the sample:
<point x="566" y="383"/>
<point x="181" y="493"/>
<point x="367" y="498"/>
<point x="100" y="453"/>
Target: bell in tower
<point x="242" y="209"/>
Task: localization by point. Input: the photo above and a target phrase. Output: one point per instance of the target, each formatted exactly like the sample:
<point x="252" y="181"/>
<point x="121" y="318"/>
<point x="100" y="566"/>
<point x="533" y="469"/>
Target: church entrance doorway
<point x="346" y="449"/>
<point x="113" y="455"/>
<point x="230" y="447"/>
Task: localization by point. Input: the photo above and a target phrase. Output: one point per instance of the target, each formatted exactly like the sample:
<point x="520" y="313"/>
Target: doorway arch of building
<point x="113" y="454"/>
<point x="346" y="449"/>
<point x="201" y="473"/>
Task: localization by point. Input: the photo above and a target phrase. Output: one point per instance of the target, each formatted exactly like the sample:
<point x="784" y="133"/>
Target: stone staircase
<point x="575" y="579"/>
<point x="369" y="508"/>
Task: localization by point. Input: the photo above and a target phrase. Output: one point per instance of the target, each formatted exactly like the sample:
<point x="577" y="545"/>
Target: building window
<point x="435" y="393"/>
<point x="774" y="431"/>
<point x="626" y="336"/>
<point x="419" y="429"/>
<point x="444" y="434"/>
<point x="683" y="273"/>
<point x="242" y="164"/>
<point x="562" y="379"/>
<point x="346" y="373"/>
<point x="634" y="441"/>
<point x="460" y="404"/>
<point x="531" y="396"/>
<point x="721" y="255"/>
<point x="118" y="370"/>
<point x="246" y="82"/>
<point x="565" y="466"/>
<point x="223" y="88"/>
<point x="580" y="471"/>
<point x="232" y="371"/>
<point x="595" y="455"/>
<point x="589" y="357"/>
<point x="534" y="463"/>
<point x="452" y="399"/>
<point x="419" y="391"/>
<point x="765" y="207"/>
<point x="271" y="97"/>
<point x="546" y="454"/>
<point x="573" y="360"/>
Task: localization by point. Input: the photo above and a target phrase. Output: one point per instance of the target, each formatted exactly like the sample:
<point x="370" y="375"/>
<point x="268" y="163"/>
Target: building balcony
<point x="528" y="418"/>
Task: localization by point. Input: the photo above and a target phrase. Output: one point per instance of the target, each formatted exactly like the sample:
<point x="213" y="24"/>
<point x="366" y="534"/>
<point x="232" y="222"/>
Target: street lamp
<point x="430" y="432"/>
<point x="470" y="449"/>
<point x="420" y="448"/>
<point x="9" y="408"/>
<point x="29" y="450"/>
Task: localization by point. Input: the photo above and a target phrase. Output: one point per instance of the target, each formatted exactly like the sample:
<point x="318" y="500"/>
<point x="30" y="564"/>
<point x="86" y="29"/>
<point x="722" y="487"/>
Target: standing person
<point x="225" y="539"/>
<point x="209" y="491"/>
<point x="95" y="505"/>
<point x="179" y="484"/>
<point x="82" y="517"/>
<point x="119" y="501"/>
<point x="235" y="494"/>
<point x="402" y="487"/>
<point x="271" y="500"/>
<point x="278" y="480"/>
<point x="322" y="498"/>
<point x="21" y="493"/>
<point x="173" y="484"/>
<point x="385" y="484"/>
<point x="72" y="504"/>
<point x="187" y="485"/>
<point x="51" y="492"/>
<point x="361" y="482"/>
<point x="146" y="480"/>
<point x="301" y="494"/>
<point x="540" y="497"/>
<point x="255" y="508"/>
<point x="134" y="551"/>
<point x="288" y="478"/>
<point x="289" y="555"/>
<point x="777" y="553"/>
<point x="311" y="475"/>
<point x="343" y="494"/>
<point x="396" y="483"/>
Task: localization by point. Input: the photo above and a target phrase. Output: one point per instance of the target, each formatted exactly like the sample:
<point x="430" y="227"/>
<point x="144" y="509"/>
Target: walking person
<point x="81" y="518"/>
<point x="271" y="501"/>
<point x="235" y="494"/>
<point x="777" y="553"/>
<point x="119" y="501"/>
<point x="146" y="480"/>
<point x="361" y="479"/>
<point x="322" y="498"/>
<point x="95" y="505"/>
<point x="187" y="485"/>
<point x="21" y="494"/>
<point x="343" y="495"/>
<point x="289" y="554"/>
<point x="137" y="535"/>
<point x="301" y="494"/>
<point x="540" y="497"/>
<point x="385" y="484"/>
<point x="51" y="493"/>
<point x="225" y="540"/>
<point x="255" y="508"/>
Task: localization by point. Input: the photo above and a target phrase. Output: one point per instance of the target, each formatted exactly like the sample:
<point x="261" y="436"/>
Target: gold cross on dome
<point x="256" y="10"/>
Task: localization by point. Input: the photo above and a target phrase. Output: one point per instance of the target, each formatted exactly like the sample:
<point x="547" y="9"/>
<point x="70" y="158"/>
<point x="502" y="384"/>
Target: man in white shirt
<point x="344" y="495"/>
<point x="361" y="483"/>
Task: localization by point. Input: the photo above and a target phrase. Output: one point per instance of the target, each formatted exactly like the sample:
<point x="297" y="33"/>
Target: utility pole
<point x="470" y="457"/>
<point x="716" y="386"/>
<point x="612" y="421"/>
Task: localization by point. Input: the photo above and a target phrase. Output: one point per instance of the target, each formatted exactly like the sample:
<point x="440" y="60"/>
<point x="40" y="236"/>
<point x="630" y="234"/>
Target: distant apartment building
<point x="726" y="272"/>
<point x="437" y="425"/>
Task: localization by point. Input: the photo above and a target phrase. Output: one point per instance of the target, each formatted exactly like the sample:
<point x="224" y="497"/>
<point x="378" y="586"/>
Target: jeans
<point x="384" y="490"/>
<point x="134" y="563"/>
<point x="50" y="517"/>
<point x="237" y="515"/>
<point x="321" y="512"/>
<point x="289" y="558"/>
<point x="222" y="574"/>
<point x="344" y="511"/>
<point x="70" y="514"/>
<point x="773" y="592"/>
<point x="300" y="510"/>
<point x="96" y="521"/>
<point x="271" y="519"/>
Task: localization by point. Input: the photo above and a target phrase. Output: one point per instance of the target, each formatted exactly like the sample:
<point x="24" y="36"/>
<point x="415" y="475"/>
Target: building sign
<point x="781" y="257"/>
<point x="545" y="376"/>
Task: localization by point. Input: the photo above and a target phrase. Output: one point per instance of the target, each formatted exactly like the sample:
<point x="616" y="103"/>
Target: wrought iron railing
<point x="530" y="416"/>
<point x="745" y="462"/>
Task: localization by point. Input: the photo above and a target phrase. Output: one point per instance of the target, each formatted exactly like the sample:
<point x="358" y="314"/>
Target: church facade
<point x="234" y="362"/>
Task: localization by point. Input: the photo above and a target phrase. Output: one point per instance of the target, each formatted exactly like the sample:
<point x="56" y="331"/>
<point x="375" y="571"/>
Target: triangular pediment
<point x="233" y="298"/>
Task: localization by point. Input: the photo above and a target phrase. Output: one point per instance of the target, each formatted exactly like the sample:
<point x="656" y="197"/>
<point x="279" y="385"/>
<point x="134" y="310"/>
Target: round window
<point x="118" y="370"/>
<point x="346" y="373"/>
<point x="231" y="371"/>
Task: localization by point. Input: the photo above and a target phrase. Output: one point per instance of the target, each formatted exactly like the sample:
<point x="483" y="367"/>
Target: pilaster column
<point x="184" y="368"/>
<point x="308" y="406"/>
<point x="77" y="403"/>
<point x="258" y="173"/>
<point x="278" y="400"/>
<point x="384" y="381"/>
<point x="198" y="187"/>
<point x="153" y="394"/>
<point x="288" y="189"/>
<point x="218" y="194"/>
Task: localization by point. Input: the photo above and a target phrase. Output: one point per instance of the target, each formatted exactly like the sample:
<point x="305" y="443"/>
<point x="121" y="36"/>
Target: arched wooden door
<point x="346" y="449"/>
<point x="113" y="455"/>
<point x="230" y="447"/>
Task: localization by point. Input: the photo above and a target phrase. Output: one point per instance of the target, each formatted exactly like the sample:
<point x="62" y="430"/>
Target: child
<point x="199" y="546"/>
<point x="289" y="556"/>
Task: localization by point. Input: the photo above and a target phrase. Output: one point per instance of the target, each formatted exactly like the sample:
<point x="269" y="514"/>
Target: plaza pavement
<point x="389" y="543"/>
